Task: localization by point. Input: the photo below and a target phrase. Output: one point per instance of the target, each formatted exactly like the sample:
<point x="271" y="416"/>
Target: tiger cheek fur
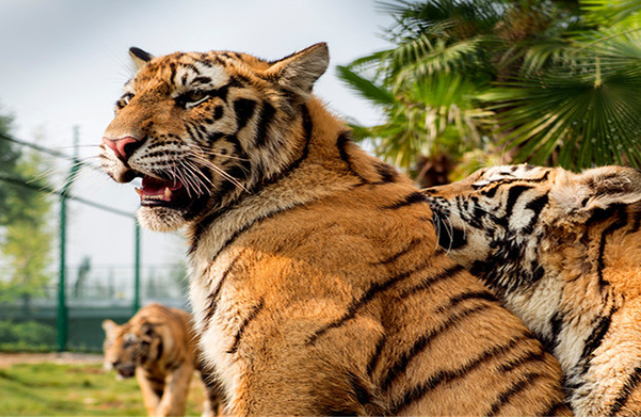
<point x="316" y="283"/>
<point x="194" y="147"/>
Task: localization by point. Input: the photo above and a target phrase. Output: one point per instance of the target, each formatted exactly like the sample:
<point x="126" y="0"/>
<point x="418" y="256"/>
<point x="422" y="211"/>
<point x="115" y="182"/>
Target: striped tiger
<point x="158" y="346"/>
<point x="315" y="280"/>
<point x="563" y="252"/>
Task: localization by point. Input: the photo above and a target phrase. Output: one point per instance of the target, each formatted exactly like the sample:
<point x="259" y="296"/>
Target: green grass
<point x="75" y="390"/>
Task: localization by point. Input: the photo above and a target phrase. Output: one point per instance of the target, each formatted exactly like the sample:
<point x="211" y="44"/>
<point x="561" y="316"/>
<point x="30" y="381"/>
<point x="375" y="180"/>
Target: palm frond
<point x="617" y="50"/>
<point x="465" y="16"/>
<point x="368" y="60"/>
<point x="429" y="116"/>
<point x="541" y="54"/>
<point x="436" y="59"/>
<point x="609" y="12"/>
<point x="365" y="87"/>
<point x="579" y="122"/>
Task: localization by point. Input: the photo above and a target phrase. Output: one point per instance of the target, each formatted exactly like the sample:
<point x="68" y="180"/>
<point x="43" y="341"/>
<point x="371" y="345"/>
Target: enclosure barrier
<point x="61" y="307"/>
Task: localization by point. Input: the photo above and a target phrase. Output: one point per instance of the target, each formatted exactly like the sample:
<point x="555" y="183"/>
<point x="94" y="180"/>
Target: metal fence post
<point x="62" y="303"/>
<point x="63" y="317"/>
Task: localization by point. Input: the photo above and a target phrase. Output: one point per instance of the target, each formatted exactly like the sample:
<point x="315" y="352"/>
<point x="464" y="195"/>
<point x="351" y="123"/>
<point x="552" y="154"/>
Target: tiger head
<point x="501" y="222"/>
<point x="201" y="129"/>
<point x="129" y="346"/>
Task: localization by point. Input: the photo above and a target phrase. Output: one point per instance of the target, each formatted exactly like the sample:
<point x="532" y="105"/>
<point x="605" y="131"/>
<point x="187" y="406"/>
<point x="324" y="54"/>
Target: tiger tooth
<point x="138" y="191"/>
<point x="167" y="196"/>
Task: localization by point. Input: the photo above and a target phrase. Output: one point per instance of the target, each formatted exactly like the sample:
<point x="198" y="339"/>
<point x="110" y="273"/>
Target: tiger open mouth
<point x="156" y="192"/>
<point x="126" y="372"/>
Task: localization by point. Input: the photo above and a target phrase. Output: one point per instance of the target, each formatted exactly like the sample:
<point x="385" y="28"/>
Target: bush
<point x="26" y="337"/>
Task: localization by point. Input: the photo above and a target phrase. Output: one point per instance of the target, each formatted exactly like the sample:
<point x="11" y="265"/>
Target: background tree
<point x="9" y="154"/>
<point x="26" y="237"/>
<point x="477" y="81"/>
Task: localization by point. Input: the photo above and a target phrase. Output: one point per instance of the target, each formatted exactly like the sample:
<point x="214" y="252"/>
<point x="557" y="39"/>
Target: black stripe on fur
<point x="516" y="388"/>
<point x="442" y="377"/>
<point x="631" y="383"/>
<point x="243" y="326"/>
<point x="368" y="296"/>
<point x="422" y="342"/>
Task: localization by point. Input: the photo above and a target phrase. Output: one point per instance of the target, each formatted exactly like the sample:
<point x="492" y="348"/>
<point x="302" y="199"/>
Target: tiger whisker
<point x="449" y="229"/>
<point x="195" y="179"/>
<point x="202" y="178"/>
<point x="200" y="157"/>
<point x="214" y="167"/>
<point x="227" y="156"/>
<point x="201" y="181"/>
<point x="176" y="177"/>
<point x="185" y="180"/>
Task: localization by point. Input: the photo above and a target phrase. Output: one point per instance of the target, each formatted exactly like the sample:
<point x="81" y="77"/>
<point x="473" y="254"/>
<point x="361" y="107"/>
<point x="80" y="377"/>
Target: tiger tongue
<point x="154" y="186"/>
<point x="158" y="188"/>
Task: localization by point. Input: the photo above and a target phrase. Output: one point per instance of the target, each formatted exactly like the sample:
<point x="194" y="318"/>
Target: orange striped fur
<point x="562" y="250"/>
<point x="316" y="281"/>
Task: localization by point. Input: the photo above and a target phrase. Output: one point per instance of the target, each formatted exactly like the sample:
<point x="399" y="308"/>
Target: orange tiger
<point x="316" y="283"/>
<point x="159" y="347"/>
<point x="563" y="252"/>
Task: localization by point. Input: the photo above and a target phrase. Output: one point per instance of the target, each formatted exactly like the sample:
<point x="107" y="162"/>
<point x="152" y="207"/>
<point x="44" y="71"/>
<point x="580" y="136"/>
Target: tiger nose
<point x="124" y="147"/>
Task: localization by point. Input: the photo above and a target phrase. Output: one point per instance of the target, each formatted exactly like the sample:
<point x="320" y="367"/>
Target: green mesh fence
<point x="92" y="296"/>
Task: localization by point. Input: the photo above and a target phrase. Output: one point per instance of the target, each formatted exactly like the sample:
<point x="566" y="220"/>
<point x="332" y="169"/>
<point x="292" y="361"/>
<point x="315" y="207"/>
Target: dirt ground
<point x="6" y="360"/>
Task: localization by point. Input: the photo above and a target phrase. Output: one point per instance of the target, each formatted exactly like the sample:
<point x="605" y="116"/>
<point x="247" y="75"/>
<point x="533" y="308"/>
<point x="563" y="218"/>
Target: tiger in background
<point x="316" y="283"/>
<point x="159" y="347"/>
<point x="563" y="252"/>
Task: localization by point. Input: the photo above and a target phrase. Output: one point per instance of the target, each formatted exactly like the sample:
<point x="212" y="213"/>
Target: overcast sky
<point x="64" y="63"/>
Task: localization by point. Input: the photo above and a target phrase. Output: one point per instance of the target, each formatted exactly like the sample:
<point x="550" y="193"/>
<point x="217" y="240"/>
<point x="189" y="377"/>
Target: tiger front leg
<point x="174" y="399"/>
<point x="152" y="389"/>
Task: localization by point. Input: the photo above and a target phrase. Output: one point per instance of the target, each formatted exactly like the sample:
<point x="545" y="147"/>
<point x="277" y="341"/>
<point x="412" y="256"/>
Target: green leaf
<point x="364" y="87"/>
<point x="586" y="123"/>
<point x="609" y="12"/>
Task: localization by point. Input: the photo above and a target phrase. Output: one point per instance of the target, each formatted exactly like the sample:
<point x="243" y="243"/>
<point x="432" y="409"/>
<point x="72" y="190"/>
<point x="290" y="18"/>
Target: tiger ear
<point x="139" y="57"/>
<point x="109" y="326"/>
<point x="299" y="71"/>
<point x="598" y="189"/>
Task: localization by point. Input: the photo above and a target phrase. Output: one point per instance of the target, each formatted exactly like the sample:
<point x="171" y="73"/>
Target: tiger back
<point x="316" y="282"/>
<point x="562" y="251"/>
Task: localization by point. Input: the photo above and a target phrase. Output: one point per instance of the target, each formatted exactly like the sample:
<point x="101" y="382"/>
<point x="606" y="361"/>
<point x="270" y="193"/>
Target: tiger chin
<point x="316" y="283"/>
<point x="562" y="251"/>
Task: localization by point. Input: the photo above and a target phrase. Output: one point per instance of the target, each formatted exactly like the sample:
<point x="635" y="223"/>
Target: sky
<point x="64" y="63"/>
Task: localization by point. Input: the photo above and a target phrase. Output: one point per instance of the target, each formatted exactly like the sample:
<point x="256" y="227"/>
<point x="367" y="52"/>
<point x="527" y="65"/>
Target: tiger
<point x="159" y="347"/>
<point x="316" y="284"/>
<point x="562" y="250"/>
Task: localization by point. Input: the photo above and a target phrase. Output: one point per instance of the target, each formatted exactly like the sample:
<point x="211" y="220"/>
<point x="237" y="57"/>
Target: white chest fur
<point x="219" y="312"/>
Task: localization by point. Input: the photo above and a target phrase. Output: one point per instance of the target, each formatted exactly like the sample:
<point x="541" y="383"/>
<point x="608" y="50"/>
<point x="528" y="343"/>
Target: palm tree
<point x="469" y="80"/>
<point x="427" y="86"/>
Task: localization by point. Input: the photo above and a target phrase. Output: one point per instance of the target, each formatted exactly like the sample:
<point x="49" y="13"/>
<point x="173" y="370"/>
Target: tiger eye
<point x="192" y="98"/>
<point x="195" y="96"/>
